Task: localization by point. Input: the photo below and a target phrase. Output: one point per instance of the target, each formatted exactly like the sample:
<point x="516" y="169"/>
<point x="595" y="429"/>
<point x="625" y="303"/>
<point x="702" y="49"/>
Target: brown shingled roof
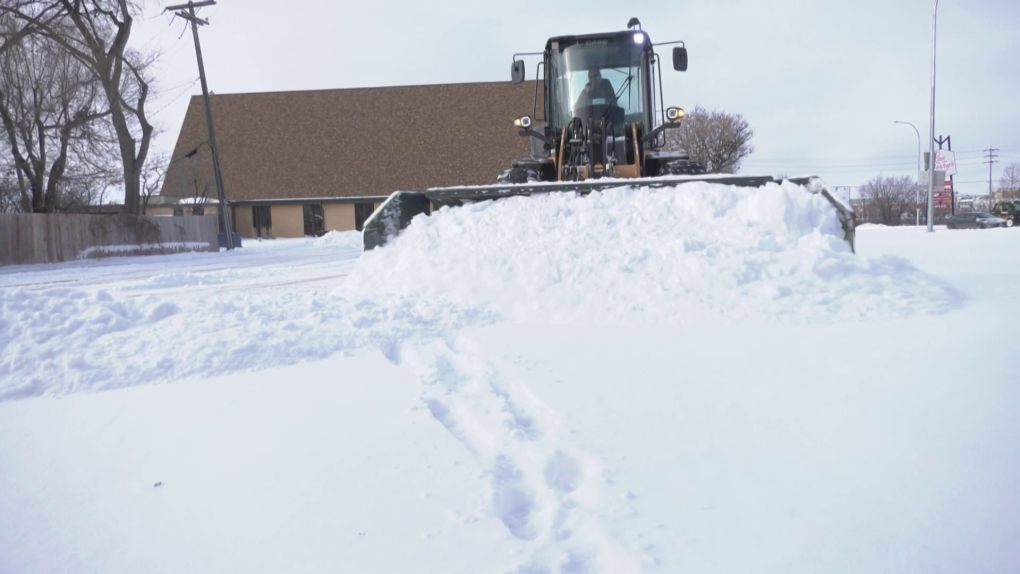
<point x="353" y="142"/>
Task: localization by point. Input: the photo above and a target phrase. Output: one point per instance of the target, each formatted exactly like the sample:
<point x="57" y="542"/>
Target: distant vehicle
<point x="974" y="221"/>
<point x="1008" y="210"/>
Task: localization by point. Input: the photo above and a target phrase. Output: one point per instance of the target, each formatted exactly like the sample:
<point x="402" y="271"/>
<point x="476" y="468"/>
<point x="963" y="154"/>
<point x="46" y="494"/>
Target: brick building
<point x="300" y="163"/>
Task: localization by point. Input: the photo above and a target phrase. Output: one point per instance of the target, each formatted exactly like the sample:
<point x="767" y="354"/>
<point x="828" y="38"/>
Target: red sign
<point x="943" y="198"/>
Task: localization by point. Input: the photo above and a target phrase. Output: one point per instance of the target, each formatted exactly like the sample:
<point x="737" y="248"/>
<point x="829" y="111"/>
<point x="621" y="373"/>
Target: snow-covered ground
<point x="698" y="380"/>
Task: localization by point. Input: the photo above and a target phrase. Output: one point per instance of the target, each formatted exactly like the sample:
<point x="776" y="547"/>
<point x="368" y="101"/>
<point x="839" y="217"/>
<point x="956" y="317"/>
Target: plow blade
<point x="401" y="207"/>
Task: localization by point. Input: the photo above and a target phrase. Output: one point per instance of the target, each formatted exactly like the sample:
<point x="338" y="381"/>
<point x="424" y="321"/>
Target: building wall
<point x="208" y="209"/>
<point x="243" y="222"/>
<point x="338" y="216"/>
<point x="288" y="220"/>
<point x="157" y="211"/>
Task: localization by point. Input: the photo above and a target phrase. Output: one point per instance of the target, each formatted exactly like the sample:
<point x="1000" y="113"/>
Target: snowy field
<point x="694" y="380"/>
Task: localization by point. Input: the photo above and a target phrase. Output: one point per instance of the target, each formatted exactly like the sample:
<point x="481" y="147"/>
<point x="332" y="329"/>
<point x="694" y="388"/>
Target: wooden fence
<point x="27" y="238"/>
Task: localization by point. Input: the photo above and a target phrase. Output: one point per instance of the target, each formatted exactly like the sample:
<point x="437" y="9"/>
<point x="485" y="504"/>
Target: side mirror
<point x="517" y="72"/>
<point x="680" y="59"/>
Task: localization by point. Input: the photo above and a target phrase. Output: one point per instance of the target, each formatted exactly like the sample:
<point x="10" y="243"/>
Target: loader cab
<point x="602" y="113"/>
<point x="599" y="76"/>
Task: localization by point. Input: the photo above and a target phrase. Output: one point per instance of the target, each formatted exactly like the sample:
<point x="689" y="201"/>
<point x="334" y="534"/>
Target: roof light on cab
<point x="523" y="122"/>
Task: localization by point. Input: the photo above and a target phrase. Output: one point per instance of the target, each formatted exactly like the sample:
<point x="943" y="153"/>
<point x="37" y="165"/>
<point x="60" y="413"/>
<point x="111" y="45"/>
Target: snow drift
<point x="845" y="447"/>
<point x="699" y="250"/>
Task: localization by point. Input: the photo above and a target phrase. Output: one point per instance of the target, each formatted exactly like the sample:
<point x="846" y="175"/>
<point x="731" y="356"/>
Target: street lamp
<point x="917" y="188"/>
<point x="931" y="133"/>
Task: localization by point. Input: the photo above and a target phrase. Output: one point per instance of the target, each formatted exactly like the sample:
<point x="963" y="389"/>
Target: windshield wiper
<point x="616" y="97"/>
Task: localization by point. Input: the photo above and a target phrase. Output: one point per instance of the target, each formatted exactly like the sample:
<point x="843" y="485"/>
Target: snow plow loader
<point x="599" y="130"/>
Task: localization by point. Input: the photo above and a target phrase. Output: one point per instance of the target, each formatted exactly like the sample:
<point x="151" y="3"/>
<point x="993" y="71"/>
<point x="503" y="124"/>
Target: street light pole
<point x="917" y="195"/>
<point x="931" y="133"/>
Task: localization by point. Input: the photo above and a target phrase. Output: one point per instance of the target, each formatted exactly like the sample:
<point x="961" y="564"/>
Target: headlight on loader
<point x="674" y="114"/>
<point x="523" y="122"/>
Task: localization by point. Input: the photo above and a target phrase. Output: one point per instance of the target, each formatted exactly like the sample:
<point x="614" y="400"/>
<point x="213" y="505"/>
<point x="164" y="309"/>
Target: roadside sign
<point x="943" y="196"/>
<point x="945" y="160"/>
<point x="922" y="178"/>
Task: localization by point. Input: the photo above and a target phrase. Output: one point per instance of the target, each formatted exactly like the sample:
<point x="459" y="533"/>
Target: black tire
<point x="681" y="167"/>
<point x="1009" y="222"/>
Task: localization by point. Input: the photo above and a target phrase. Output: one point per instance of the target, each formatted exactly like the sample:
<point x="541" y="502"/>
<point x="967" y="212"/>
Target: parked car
<point x="974" y="221"/>
<point x="1008" y="210"/>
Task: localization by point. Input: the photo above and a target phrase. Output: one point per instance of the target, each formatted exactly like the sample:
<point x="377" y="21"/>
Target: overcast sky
<point x="821" y="82"/>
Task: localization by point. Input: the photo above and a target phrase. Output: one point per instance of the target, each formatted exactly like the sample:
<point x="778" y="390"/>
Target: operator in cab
<point x="597" y="88"/>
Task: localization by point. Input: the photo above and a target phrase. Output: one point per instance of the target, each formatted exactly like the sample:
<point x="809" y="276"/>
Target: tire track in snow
<point x="544" y="489"/>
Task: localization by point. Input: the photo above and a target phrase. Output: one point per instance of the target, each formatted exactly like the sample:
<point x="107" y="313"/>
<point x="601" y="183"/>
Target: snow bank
<point x="697" y="251"/>
<point x="522" y="447"/>
<point x="61" y="341"/>
<point x="132" y="249"/>
<point x="700" y="252"/>
<point x="342" y="239"/>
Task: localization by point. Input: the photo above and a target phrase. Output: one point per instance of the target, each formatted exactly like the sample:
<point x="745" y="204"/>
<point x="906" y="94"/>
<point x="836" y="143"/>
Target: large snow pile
<point x="671" y="255"/>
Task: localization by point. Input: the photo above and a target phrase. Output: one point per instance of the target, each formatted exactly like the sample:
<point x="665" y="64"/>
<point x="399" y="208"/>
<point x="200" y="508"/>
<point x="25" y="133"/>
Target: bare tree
<point x="10" y="194"/>
<point x="13" y="30"/>
<point x="889" y="197"/>
<point x="199" y="188"/>
<point x="717" y="140"/>
<point x="195" y="184"/>
<point x="96" y="33"/>
<point x="152" y="177"/>
<point x="48" y="104"/>
<point x="1009" y="181"/>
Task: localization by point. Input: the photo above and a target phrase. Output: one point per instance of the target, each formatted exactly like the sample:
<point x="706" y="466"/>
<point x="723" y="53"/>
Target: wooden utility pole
<point x="990" y="159"/>
<point x="187" y="12"/>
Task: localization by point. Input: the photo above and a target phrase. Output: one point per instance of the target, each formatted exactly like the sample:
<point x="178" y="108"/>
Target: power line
<point x="177" y="97"/>
<point x="887" y="168"/>
<point x="840" y="163"/>
<point x="970" y="153"/>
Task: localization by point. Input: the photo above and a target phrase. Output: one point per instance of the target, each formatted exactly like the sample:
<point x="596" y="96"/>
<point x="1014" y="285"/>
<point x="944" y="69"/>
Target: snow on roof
<point x="197" y="200"/>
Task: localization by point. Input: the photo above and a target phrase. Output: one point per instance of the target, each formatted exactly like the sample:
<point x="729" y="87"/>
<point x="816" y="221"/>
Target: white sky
<point x="821" y="83"/>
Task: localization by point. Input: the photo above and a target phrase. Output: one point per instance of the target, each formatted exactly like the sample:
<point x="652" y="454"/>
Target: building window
<point x="262" y="220"/>
<point x="361" y="213"/>
<point x="315" y="224"/>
